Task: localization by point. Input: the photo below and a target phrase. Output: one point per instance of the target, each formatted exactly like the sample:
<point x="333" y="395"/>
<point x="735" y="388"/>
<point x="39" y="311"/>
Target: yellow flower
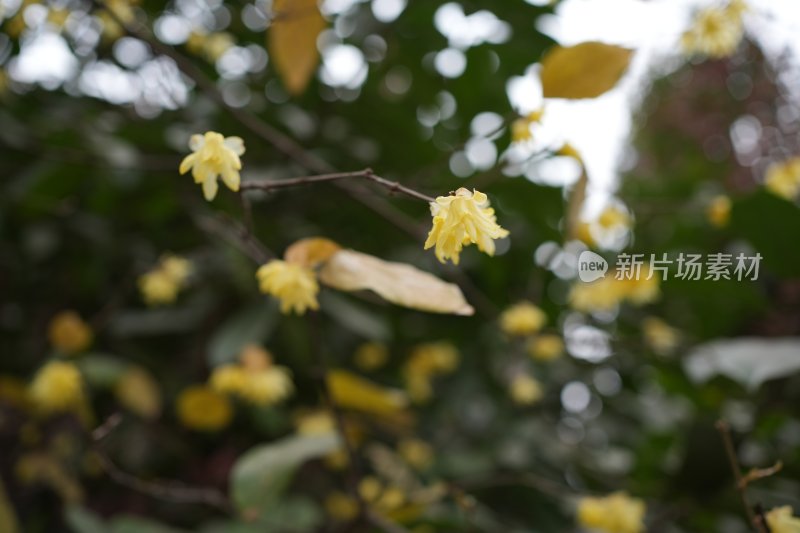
<point x="462" y="219"/>
<point x="640" y="291"/>
<point x="783" y="178"/>
<point x="546" y="347"/>
<point x="416" y="452"/>
<point x="715" y="32"/>
<point x="57" y="387"/>
<point x="659" y="335"/>
<point x="216" y="44"/>
<point x="138" y="391"/>
<point x="268" y="387"/>
<point x="525" y="390"/>
<point x="522" y="319"/>
<point x="229" y="379"/>
<point x="615" y="513"/>
<point x="161" y="285"/>
<point x="68" y="333"/>
<point x="718" y="211"/>
<point x="212" y="156"/>
<point x="295" y="286"/>
<point x="603" y="294"/>
<point x="781" y="520"/>
<point x="255" y="358"/>
<point x="340" y="506"/>
<point x="202" y="408"/>
<point x="424" y="363"/>
<point x="371" y="356"/>
<point x="316" y="423"/>
<point x="614" y="217"/>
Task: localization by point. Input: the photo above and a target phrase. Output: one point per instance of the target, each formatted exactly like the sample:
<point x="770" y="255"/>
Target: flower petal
<point x="196" y="142"/>
<point x="235" y="144"/>
<point x="210" y="188"/>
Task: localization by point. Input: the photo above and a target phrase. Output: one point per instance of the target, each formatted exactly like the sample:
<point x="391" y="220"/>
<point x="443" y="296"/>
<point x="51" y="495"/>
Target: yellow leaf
<point x="585" y="70"/>
<point x="292" y="41"/>
<point x="398" y="283"/>
<point x="350" y="391"/>
<point x="311" y="252"/>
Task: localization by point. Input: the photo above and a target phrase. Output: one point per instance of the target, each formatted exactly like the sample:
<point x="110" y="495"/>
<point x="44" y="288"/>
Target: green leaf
<point x="585" y="70"/>
<point x="252" y="325"/>
<point x="260" y="475"/>
<point x="101" y="370"/>
<point x="82" y="520"/>
<point x="355" y="318"/>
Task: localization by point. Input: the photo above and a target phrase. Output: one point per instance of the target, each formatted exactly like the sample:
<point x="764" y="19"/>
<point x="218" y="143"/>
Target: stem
<point x="367" y="173"/>
<point x="741" y="486"/>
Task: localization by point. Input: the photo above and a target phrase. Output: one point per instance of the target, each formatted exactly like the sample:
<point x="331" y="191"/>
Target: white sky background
<point x="598" y="128"/>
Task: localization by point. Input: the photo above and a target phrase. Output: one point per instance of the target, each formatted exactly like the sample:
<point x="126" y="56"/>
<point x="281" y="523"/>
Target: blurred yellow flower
<point x="350" y="391"/>
<point x="57" y="387"/>
<point x="614" y="217"/>
<point x="68" y="333"/>
<point x="177" y="267"/>
<point x="521" y="128"/>
<point x="546" y="347"/>
<point x="522" y="319"/>
<point x="783" y="178"/>
<point x="606" y="293"/>
<point x="255" y="379"/>
<point x="641" y="291"/>
<point x="229" y="379"/>
<point x="268" y="387"/>
<point x="294" y="285"/>
<point x="781" y="520"/>
<point x="718" y="211"/>
<point x="162" y="284"/>
<point x="615" y="513"/>
<point x="461" y="219"/>
<point x="340" y="506"/>
<point x="211" y="45"/>
<point x="371" y="356"/>
<point x="417" y="453"/>
<point x="204" y="409"/>
<point x="316" y="423"/>
<point x="716" y="32"/>
<point x="138" y="391"/>
<point x="525" y="390"/>
<point x="212" y="156"/>
<point x="660" y="336"/>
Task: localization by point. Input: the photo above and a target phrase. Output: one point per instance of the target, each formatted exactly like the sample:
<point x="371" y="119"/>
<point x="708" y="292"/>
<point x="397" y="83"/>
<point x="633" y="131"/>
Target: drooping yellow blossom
<point x="138" y="391"/>
<point x="425" y="362"/>
<point x="614" y="217"/>
<point x="254" y="378"/>
<point x="525" y="390"/>
<point x="268" y="387"/>
<point x="294" y="285"/>
<point x="461" y="219"/>
<point x="715" y="32"/>
<point x="57" y="387"/>
<point x="68" y="333"/>
<point x="213" y="156"/>
<point x="204" y="409"/>
<point x="783" y="178"/>
<point x="522" y="319"/>
<point x="162" y="284"/>
<point x="660" y="336"/>
<point x="546" y="347"/>
<point x="417" y="453"/>
<point x="782" y="520"/>
<point x="615" y="513"/>
<point x="340" y="506"/>
<point x="718" y="211"/>
<point x="371" y="356"/>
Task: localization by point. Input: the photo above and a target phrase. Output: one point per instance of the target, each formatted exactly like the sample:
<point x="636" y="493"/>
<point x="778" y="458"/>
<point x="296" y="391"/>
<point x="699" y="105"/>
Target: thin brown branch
<point x="725" y="431"/>
<point x="760" y="473"/>
<point x="392" y="186"/>
<point x="236" y="234"/>
<point x="169" y="491"/>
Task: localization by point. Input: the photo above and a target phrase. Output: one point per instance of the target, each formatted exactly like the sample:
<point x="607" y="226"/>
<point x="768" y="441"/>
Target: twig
<point x="392" y="186"/>
<point x="725" y="431"/>
<point x="170" y="491"/>
<point x="237" y="235"/>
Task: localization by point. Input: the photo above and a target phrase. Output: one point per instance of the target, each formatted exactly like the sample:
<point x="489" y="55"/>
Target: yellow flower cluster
<point x="213" y="156"/>
<point x="606" y="293"/>
<point x="783" y="178"/>
<point x="371" y="356"/>
<point x="782" y="520"/>
<point x="615" y="513"/>
<point x="68" y="333"/>
<point x="716" y="31"/>
<point x="162" y="284"/>
<point x="461" y="219"/>
<point x="718" y="211"/>
<point x="425" y="363"/>
<point x="546" y="347"/>
<point x="521" y="128"/>
<point x="255" y="379"/>
<point x="294" y="285"/>
<point x="202" y="408"/>
<point x="525" y="389"/>
<point x="522" y="319"/>
<point x="660" y="336"/>
<point x="57" y="387"/>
